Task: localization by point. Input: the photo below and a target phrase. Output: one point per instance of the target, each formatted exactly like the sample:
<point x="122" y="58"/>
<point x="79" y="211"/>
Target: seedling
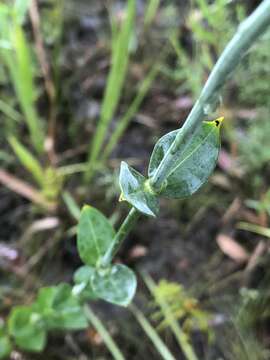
<point x="180" y="164"/>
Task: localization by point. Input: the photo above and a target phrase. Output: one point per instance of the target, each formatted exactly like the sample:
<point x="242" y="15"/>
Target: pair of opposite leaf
<point x="114" y="283"/>
<point x="194" y="161"/>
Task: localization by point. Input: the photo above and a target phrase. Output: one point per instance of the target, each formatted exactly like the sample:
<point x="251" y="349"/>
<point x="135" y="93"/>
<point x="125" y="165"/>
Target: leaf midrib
<point x="195" y="149"/>
<point x="95" y="238"/>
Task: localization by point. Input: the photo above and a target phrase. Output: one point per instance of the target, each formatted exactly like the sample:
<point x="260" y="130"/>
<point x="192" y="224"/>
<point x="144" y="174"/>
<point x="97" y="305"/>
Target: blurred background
<point x="85" y="84"/>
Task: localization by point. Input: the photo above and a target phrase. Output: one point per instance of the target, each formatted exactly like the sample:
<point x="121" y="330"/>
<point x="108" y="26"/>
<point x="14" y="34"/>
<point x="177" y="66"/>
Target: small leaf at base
<point x="116" y="284"/>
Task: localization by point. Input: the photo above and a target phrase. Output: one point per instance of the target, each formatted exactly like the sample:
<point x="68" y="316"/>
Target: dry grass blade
<point x="232" y="249"/>
<point x="22" y="188"/>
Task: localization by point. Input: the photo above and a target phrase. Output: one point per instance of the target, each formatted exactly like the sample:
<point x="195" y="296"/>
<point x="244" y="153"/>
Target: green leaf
<point x="136" y="191"/>
<point x="70" y="314"/>
<point x="20" y="9"/>
<point x="194" y="162"/>
<point x="60" y="309"/>
<point x="82" y="278"/>
<point x="28" y="160"/>
<point x="27" y="328"/>
<point x="45" y="299"/>
<point x="95" y="235"/>
<point x="116" y="284"/>
<point x="5" y="347"/>
<point x="16" y="54"/>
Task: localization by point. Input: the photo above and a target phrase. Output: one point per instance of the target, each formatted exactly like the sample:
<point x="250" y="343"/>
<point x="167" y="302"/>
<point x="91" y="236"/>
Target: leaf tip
<point x="219" y="121"/>
<point x="121" y="197"/>
<point x="86" y="207"/>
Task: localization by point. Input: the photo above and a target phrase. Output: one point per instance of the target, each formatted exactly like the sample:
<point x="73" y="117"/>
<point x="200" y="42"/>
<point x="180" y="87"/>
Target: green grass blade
<point x="180" y="336"/>
<point x="132" y="110"/>
<point x="120" y="57"/>
<point x="257" y="229"/>
<point x="72" y="206"/>
<point x="20" y="9"/>
<point x="68" y="170"/>
<point x="23" y="79"/>
<point x="152" y="334"/>
<point x="151" y="11"/>
<point x="9" y="111"/>
<point x="28" y="160"/>
<point x="18" y="60"/>
<point x="103" y="332"/>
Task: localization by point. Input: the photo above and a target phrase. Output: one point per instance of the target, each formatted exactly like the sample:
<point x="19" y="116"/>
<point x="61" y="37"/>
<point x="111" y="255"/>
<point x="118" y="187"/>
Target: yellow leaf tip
<point x="219" y="121"/>
<point x="121" y="197"/>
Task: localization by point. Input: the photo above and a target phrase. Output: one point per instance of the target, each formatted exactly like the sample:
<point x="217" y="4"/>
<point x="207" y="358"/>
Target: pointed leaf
<point x="116" y="285"/>
<point x="26" y="326"/>
<point x="95" y="235"/>
<point x="135" y="191"/>
<point x="194" y="162"/>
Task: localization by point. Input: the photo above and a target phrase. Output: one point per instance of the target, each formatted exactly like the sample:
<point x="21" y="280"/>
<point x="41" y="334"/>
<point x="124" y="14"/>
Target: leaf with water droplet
<point x="137" y="191"/>
<point x="194" y="160"/>
<point x="116" y="285"/>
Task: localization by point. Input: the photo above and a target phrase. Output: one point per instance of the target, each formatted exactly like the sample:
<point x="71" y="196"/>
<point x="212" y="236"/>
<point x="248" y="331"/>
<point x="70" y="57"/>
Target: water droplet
<point x="210" y="107"/>
<point x="207" y="109"/>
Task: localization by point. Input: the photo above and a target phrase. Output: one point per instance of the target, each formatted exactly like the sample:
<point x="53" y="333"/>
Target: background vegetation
<point x="86" y="84"/>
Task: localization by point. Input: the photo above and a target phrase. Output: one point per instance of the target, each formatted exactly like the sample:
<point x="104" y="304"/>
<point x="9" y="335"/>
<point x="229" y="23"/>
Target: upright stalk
<point x="179" y="334"/>
<point x="247" y="33"/>
<point x="98" y="325"/>
<point x="121" y="234"/>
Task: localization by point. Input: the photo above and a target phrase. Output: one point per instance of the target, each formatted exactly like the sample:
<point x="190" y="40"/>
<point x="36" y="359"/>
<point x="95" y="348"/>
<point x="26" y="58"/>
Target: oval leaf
<point x="116" y="285"/>
<point x="135" y="191"/>
<point x="194" y="162"/>
<point x="95" y="235"/>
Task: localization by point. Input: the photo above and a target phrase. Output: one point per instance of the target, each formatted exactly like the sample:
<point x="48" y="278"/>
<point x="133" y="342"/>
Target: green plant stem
<point x="245" y="36"/>
<point x="260" y="230"/>
<point x="179" y="334"/>
<point x="152" y="333"/>
<point x="121" y="234"/>
<point x="96" y="322"/>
